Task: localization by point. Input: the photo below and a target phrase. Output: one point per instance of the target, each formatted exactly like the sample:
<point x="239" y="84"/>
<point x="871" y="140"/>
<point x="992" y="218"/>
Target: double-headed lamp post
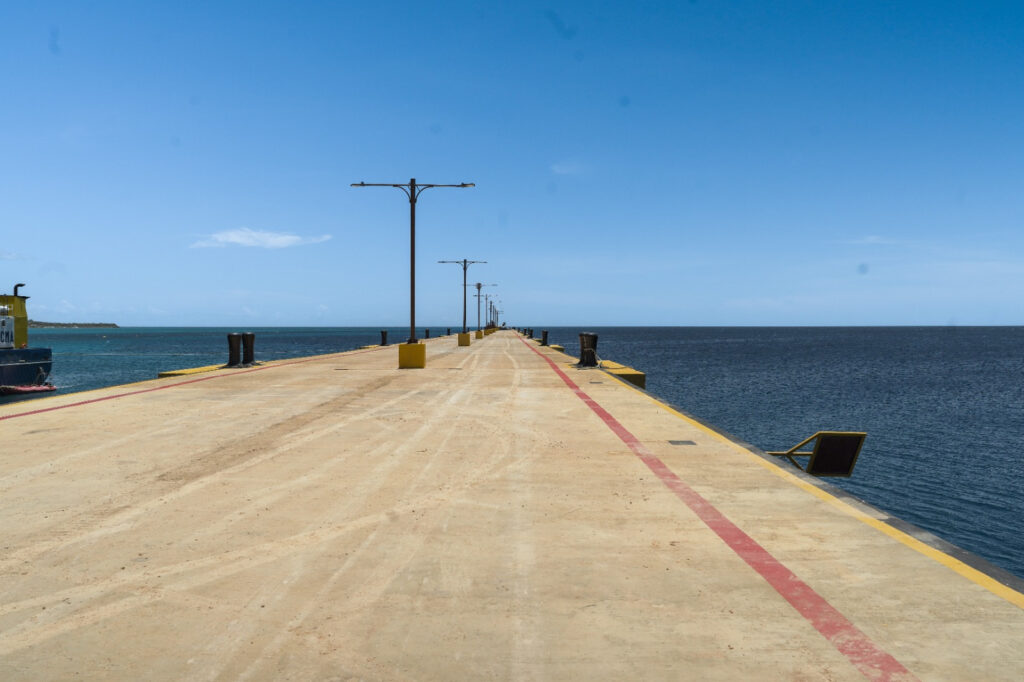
<point x="465" y="266"/>
<point x="412" y="190"/>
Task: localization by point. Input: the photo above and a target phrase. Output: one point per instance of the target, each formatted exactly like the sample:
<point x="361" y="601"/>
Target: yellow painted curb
<point x="974" y="575"/>
<point x="186" y="372"/>
<point x="633" y="376"/>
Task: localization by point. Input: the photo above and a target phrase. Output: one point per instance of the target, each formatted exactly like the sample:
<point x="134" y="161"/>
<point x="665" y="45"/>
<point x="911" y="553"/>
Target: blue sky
<point x="670" y="163"/>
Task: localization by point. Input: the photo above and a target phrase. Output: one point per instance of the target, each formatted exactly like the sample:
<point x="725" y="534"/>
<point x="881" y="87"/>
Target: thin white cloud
<point x="8" y="255"/>
<point x="875" y="240"/>
<point x="568" y="168"/>
<point x="244" y="236"/>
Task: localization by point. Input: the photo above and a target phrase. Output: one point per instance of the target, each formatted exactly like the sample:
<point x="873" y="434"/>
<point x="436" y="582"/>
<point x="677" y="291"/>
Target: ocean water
<point x="943" y="406"/>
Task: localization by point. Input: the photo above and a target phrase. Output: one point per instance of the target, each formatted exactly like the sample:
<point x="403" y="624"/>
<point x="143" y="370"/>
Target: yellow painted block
<point x="555" y="346"/>
<point x="186" y="372"/>
<point x="633" y="376"/>
<point x="463" y="338"/>
<point x="412" y="356"/>
<point x="479" y="334"/>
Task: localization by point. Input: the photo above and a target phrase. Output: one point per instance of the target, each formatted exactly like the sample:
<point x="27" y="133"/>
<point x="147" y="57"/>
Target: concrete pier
<point x="499" y="514"/>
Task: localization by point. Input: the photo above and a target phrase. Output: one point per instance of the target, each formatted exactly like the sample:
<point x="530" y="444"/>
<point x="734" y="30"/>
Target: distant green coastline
<point x="35" y="324"/>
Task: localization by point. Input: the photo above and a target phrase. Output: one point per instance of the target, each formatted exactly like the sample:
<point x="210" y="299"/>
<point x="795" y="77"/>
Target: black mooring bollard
<point x="588" y="349"/>
<point x="248" y="348"/>
<point x="544" y="337"/>
<point x="449" y="331"/>
<point x="427" y="334"/>
<point x="383" y="337"/>
<point x="234" y="349"/>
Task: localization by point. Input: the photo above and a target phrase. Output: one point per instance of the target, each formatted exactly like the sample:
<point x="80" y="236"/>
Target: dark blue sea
<point x="943" y="406"/>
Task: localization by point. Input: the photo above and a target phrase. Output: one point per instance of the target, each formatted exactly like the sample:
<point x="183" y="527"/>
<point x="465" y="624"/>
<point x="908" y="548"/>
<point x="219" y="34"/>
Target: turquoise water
<point x="943" y="407"/>
<point x="84" y="359"/>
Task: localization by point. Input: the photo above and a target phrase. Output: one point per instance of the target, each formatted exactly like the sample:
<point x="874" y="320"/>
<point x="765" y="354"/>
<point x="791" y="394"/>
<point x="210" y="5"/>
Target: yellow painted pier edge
<point x="633" y="376"/>
<point x="191" y="370"/>
<point x="835" y="497"/>
<point x="143" y="382"/>
<point x="822" y="490"/>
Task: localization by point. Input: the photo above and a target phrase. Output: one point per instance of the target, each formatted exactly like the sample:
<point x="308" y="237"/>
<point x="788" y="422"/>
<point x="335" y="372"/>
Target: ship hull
<point x="25" y="371"/>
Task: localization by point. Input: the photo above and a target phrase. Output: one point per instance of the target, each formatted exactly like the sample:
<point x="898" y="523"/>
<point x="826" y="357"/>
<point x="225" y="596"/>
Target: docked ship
<point x="24" y="371"/>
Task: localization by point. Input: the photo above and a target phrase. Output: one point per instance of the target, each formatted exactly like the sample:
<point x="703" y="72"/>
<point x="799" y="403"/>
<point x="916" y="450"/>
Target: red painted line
<point x="872" y="661"/>
<point x="180" y="383"/>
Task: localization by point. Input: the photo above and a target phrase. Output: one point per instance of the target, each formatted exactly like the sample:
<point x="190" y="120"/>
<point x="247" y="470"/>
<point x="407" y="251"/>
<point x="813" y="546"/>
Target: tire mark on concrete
<point x="203" y="571"/>
<point x="126" y="514"/>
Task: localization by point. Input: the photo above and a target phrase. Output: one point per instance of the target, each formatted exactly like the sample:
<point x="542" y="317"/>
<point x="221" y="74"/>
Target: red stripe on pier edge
<point x="166" y="386"/>
<point x="872" y="661"/>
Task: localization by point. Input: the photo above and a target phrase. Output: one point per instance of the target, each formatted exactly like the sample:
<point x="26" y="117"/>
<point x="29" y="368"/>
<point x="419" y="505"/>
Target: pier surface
<point x="500" y="514"/>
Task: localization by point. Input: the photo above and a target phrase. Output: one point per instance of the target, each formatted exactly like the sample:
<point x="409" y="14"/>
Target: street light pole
<point x="413" y="191"/>
<point x="478" y="286"/>
<point x="465" y="266"/>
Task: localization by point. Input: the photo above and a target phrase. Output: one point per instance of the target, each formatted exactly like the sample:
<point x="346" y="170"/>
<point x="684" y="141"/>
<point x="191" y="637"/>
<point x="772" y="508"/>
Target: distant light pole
<point x="465" y="266"/>
<point x="413" y="191"/>
<point x="494" y="311"/>
<point x="492" y="306"/>
<point x="478" y="286"/>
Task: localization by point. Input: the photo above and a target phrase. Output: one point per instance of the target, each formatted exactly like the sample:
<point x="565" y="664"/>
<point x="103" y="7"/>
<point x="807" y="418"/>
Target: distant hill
<point x="35" y="324"/>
